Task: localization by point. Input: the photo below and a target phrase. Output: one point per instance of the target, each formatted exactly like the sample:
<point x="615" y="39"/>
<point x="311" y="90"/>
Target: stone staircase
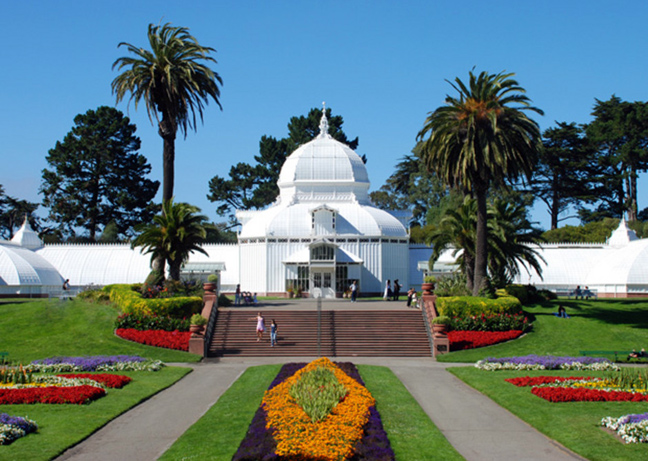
<point x="344" y="333"/>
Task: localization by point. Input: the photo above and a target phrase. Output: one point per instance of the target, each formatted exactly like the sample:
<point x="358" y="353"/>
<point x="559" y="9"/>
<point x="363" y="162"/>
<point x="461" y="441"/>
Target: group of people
<point x="583" y="293"/>
<point x="244" y="297"/>
<point x="260" y="328"/>
<point x="392" y="294"/>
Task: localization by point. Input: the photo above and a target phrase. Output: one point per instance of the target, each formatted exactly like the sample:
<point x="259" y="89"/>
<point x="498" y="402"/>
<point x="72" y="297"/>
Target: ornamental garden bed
<point x="282" y="430"/>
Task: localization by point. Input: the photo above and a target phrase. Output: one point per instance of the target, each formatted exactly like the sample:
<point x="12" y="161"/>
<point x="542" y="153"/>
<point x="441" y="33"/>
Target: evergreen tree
<point x="619" y="133"/>
<point x="96" y="176"/>
<point x="13" y="212"/>
<point x="563" y="177"/>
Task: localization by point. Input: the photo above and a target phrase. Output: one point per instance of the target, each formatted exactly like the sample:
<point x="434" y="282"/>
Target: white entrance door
<point x="323" y="284"/>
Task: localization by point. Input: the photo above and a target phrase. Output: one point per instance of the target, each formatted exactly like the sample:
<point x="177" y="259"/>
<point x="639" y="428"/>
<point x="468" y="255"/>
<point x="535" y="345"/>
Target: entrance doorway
<point x="323" y="283"/>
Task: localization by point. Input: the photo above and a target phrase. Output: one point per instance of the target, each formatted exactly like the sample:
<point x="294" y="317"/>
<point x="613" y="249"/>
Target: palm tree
<point x="456" y="230"/>
<point x="510" y="236"/>
<point x="173" y="82"/>
<point x="483" y="137"/>
<point x="510" y="239"/>
<point x="173" y="235"/>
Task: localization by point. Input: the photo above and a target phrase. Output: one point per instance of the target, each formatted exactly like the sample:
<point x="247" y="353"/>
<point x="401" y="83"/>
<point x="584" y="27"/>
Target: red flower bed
<point x="108" y="380"/>
<point x="470" y="339"/>
<point x="568" y="394"/>
<point x="170" y="339"/>
<point x="51" y="394"/>
<point x="537" y="380"/>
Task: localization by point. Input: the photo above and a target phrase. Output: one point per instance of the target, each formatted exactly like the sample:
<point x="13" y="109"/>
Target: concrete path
<point x="477" y="427"/>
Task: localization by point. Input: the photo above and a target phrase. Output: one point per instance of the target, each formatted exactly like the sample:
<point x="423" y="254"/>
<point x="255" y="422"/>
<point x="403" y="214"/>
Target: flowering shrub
<point x="526" y="381"/>
<point x="545" y="362"/>
<point x="631" y="428"/>
<point x="94" y="363"/>
<point x="151" y="322"/>
<point x="491" y="322"/>
<point x="52" y="394"/>
<point x="111" y="381"/>
<point x="14" y="427"/>
<point x="470" y="339"/>
<point x="170" y="339"/>
<point x="330" y="439"/>
<point x="259" y="442"/>
<point x="570" y="394"/>
<point x="464" y="306"/>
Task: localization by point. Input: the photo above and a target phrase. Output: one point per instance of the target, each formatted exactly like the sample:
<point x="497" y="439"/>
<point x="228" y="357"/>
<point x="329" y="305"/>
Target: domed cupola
<point x="323" y="169"/>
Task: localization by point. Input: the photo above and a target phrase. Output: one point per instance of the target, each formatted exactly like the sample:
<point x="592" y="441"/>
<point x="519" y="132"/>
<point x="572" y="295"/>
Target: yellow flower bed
<point x="331" y="439"/>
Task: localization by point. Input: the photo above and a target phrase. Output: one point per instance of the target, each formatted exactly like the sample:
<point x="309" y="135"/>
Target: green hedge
<point x="131" y="302"/>
<point x="462" y="306"/>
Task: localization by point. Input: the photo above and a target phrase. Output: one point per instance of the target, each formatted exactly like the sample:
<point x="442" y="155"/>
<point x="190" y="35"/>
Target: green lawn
<point x="38" y="329"/>
<point x="594" y="325"/>
<point x="61" y="426"/>
<point x="46" y="328"/>
<point x="412" y="435"/>
<point x="573" y="424"/>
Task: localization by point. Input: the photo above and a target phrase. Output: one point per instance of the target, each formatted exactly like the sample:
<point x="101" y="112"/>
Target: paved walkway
<point x="477" y="427"/>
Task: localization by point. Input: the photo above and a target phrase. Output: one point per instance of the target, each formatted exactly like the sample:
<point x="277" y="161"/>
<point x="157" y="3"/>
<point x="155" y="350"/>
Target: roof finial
<point x="324" y="126"/>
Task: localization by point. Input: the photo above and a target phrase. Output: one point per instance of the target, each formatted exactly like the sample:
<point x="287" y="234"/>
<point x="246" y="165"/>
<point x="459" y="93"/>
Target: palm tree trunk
<point x="168" y="134"/>
<point x="481" y="241"/>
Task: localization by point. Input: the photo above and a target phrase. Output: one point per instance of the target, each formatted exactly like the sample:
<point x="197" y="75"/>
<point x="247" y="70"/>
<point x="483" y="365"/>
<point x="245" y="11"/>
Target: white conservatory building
<point x="321" y="234"/>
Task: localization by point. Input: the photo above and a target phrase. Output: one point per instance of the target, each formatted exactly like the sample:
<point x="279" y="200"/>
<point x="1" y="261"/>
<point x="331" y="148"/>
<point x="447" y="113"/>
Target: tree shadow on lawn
<point x="633" y="313"/>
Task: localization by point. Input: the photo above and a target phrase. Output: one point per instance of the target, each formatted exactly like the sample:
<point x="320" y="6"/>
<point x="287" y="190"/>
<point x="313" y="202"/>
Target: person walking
<point x="273" y="333"/>
<point x="260" y="327"/>
<point x="237" y="295"/>
<point x="354" y="291"/>
<point x="397" y="287"/>
<point x="388" y="292"/>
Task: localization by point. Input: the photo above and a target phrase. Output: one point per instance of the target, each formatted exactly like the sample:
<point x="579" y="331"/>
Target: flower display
<point x="545" y="362"/>
<point x="52" y="394"/>
<point x="178" y="340"/>
<point x="491" y="322"/>
<point x="471" y="339"/>
<point x="631" y="428"/>
<point x="94" y="363"/>
<point x="571" y="394"/>
<point x="14" y="427"/>
<point x="525" y="381"/>
<point x="259" y="443"/>
<point x="580" y="389"/>
<point x="330" y="439"/>
<point x="111" y="381"/>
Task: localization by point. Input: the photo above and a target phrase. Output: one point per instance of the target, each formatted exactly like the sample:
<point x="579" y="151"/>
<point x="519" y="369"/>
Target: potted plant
<point x="440" y="325"/>
<point x="428" y="284"/>
<point x="197" y="323"/>
<point x="210" y="284"/>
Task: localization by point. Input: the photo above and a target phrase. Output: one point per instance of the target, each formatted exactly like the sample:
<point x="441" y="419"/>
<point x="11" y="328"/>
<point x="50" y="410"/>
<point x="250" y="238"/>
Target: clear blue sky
<point x="382" y="65"/>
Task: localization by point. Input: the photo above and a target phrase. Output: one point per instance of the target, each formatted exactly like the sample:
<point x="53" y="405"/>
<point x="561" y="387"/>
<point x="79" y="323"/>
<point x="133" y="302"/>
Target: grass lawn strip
<point x="61" y="426"/>
<point x="70" y="328"/>
<point x="411" y="433"/>
<point x="413" y="436"/>
<point x="576" y="425"/>
<point x="624" y="321"/>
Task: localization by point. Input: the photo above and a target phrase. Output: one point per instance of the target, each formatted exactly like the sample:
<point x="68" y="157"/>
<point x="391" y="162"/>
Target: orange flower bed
<point x="333" y="438"/>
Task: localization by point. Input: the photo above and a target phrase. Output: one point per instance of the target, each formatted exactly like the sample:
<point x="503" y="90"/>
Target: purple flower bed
<point x="548" y="361"/>
<point x="629" y="419"/>
<point x="259" y="443"/>
<point x="14" y="427"/>
<point x="90" y="363"/>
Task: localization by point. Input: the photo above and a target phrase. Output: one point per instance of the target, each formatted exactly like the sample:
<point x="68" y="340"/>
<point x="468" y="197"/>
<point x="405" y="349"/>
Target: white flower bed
<point x="631" y="428"/>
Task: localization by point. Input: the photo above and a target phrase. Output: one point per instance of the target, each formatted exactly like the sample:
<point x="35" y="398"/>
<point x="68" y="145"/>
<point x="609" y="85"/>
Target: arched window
<point x="322" y="253"/>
